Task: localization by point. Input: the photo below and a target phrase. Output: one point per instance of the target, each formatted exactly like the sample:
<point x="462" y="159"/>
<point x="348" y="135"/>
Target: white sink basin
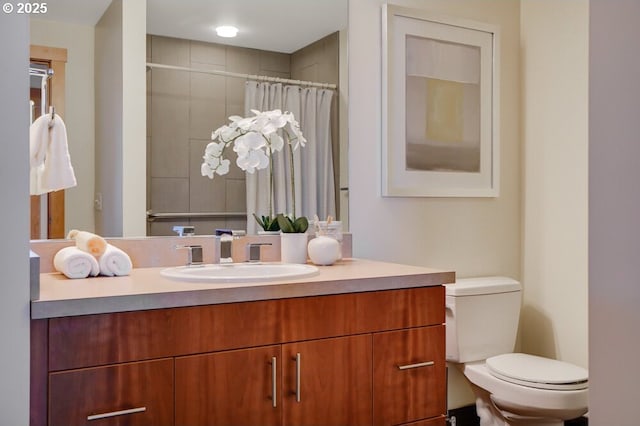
<point x="240" y="272"/>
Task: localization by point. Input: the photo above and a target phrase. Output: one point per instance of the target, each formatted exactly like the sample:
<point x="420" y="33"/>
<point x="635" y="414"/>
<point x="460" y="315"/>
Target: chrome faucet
<point x="224" y="244"/>
<point x="253" y="251"/>
<point x="194" y="254"/>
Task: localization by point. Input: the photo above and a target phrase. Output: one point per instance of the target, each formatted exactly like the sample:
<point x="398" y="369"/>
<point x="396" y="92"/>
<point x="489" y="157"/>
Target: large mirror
<point x="293" y="40"/>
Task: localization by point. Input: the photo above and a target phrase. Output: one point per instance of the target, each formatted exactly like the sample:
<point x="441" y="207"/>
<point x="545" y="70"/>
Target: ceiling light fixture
<point x="227" y="31"/>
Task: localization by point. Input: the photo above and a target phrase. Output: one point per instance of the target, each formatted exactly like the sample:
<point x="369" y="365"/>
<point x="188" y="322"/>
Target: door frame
<point x="56" y="57"/>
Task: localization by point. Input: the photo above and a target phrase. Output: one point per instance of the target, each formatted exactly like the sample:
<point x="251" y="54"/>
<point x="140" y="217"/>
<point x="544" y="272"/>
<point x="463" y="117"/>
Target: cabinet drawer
<point x="409" y="375"/>
<point x="318" y="317"/>
<point x="135" y="394"/>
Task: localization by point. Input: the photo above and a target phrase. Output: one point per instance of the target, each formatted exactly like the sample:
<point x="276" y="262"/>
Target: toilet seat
<point x="537" y="372"/>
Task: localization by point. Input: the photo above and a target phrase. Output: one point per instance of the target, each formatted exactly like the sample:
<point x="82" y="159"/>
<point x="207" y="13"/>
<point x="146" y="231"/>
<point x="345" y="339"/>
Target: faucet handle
<point x="253" y="251"/>
<point x="194" y="254"/>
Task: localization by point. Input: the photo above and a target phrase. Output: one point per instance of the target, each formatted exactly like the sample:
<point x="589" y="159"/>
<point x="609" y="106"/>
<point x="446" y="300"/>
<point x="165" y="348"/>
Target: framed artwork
<point x="440" y="102"/>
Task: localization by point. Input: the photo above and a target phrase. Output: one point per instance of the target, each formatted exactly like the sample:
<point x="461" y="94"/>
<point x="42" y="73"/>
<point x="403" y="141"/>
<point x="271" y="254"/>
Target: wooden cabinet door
<point x="229" y="388"/>
<point x="135" y="394"/>
<point x="409" y="375"/>
<point x="328" y="382"/>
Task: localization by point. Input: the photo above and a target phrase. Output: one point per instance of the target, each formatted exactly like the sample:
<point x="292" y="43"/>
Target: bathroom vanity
<point x="360" y="343"/>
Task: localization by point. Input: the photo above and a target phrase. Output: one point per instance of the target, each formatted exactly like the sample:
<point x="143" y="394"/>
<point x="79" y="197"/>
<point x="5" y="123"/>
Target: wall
<point x="134" y="126"/>
<point x="120" y="133"/>
<point x="14" y="187"/>
<point x="614" y="209"/>
<point x="554" y="39"/>
<point x="79" y="120"/>
<point x="184" y="108"/>
<point x="473" y="236"/>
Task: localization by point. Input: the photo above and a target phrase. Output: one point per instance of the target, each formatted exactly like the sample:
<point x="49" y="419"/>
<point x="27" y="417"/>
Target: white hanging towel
<point x="51" y="168"/>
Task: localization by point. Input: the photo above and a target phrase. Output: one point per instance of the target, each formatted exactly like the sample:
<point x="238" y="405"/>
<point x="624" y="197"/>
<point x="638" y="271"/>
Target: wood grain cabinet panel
<point x="229" y="388"/>
<point x="328" y="382"/>
<point x="135" y="394"/>
<point x="438" y="421"/>
<point x="337" y="360"/>
<point x="409" y="375"/>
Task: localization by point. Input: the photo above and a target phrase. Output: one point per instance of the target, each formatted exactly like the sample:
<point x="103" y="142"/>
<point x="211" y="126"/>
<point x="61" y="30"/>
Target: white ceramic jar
<point x="324" y="250"/>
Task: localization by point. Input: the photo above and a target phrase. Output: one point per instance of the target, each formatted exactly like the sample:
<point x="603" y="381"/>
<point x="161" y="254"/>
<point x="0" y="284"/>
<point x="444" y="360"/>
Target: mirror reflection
<point x="195" y="80"/>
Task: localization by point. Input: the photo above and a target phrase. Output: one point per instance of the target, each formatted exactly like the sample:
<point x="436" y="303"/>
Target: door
<point x="328" y="382"/>
<point x="51" y="205"/>
<point x="229" y="388"/>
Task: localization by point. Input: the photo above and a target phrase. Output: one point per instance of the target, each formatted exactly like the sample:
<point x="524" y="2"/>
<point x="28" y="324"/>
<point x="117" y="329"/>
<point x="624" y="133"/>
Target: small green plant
<point x="292" y="225"/>
<point x="267" y="223"/>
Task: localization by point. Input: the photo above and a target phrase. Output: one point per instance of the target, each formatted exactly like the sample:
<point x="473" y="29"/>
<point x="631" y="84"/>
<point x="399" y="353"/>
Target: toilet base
<point x="491" y="415"/>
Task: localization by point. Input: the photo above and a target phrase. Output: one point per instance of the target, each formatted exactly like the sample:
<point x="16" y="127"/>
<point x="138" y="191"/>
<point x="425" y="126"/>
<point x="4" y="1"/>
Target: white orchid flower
<point x="206" y="170"/>
<point x="254" y="139"/>
<point x="214" y="149"/>
<point x="253" y="160"/>
<point x="276" y="143"/>
<point x="223" y="168"/>
<point x="248" y="142"/>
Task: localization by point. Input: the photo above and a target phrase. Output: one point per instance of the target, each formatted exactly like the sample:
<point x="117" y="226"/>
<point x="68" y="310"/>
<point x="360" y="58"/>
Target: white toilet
<point x="511" y="388"/>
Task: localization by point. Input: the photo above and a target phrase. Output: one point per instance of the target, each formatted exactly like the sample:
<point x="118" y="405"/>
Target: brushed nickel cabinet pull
<point x="298" y="377"/>
<point x="417" y="365"/>
<point x="274" y="378"/>
<point x="116" y="413"/>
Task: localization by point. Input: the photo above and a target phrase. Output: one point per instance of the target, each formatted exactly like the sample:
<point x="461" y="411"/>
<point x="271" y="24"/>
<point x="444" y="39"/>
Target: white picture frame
<point x="440" y="100"/>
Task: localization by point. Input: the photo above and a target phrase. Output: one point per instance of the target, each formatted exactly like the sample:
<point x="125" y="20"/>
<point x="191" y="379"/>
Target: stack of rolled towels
<point x="91" y="256"/>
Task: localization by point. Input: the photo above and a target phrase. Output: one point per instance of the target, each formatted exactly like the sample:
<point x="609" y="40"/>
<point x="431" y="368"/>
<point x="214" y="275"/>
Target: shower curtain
<point x="313" y="164"/>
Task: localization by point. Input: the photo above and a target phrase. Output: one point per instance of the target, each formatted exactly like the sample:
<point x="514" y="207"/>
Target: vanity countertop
<point x="145" y="288"/>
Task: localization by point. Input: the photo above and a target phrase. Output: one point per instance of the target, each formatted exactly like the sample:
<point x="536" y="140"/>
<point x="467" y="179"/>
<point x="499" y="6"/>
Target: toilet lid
<point x="538" y="372"/>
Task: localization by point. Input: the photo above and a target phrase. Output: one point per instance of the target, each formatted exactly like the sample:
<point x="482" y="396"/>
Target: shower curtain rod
<point x="39" y="72"/>
<point x="247" y="76"/>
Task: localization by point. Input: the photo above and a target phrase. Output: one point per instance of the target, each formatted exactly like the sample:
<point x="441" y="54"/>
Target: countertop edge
<point x="43" y="309"/>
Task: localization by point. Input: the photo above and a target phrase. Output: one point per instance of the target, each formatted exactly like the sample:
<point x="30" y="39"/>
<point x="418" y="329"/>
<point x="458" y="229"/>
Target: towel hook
<point x="52" y="110"/>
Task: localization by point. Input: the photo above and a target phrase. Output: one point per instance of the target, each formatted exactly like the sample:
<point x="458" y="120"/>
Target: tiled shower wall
<point x="183" y="108"/>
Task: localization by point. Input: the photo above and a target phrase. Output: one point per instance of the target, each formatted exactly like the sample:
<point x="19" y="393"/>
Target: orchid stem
<point x="271" y="212"/>
<point x="293" y="180"/>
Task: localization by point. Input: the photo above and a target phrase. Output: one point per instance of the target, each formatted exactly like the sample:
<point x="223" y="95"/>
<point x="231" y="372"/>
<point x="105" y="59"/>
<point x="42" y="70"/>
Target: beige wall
<point x="79" y="119"/>
<point x="473" y="236"/>
<point x="120" y="127"/>
<point x="483" y="236"/>
<point x="554" y="39"/>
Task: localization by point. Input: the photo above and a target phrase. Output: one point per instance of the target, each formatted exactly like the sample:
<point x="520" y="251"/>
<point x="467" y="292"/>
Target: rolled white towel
<point x="75" y="263"/>
<point x="114" y="262"/>
<point x="88" y="241"/>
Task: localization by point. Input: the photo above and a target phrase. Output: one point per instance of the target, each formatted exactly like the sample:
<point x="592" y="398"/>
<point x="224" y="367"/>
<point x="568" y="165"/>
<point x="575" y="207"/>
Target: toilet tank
<point x="482" y="317"/>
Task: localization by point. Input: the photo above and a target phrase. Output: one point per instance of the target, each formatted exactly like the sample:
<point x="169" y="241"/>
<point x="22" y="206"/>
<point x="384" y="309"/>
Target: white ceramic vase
<point x="323" y="250"/>
<point x="293" y="247"/>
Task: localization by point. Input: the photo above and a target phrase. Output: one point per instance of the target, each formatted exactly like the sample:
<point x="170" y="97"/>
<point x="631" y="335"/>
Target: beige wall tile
<point x="274" y="61"/>
<point x="170" y="51"/>
<point x="169" y="195"/>
<point x="207" y="53"/>
<point x="236" y="200"/>
<point x="169" y="137"/>
<point x="205" y="195"/>
<point x="243" y="60"/>
<point x="206" y="104"/>
<point x="235" y="96"/>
